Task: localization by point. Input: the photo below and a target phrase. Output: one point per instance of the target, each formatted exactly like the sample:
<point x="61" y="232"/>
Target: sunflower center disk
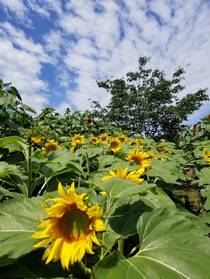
<point x="75" y="224"/>
<point x="137" y="160"/>
<point x="114" y="145"/>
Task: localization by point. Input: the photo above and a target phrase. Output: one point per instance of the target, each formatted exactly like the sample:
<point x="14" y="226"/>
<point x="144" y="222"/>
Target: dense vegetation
<point x="83" y="197"/>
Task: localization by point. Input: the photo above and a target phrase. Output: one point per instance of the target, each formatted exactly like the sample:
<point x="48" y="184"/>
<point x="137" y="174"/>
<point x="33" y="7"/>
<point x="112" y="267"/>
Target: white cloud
<point x="15" y="6"/>
<point x="21" y="63"/>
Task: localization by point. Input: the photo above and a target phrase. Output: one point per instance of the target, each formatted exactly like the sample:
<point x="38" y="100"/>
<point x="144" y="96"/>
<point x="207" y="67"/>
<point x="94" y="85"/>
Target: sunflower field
<point x="90" y="201"/>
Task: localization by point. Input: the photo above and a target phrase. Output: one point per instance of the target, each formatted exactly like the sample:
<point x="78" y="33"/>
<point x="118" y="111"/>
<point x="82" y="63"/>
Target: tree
<point x="146" y="101"/>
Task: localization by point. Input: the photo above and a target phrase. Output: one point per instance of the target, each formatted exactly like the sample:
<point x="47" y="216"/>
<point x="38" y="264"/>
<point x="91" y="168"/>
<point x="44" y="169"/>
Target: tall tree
<point x="146" y="101"/>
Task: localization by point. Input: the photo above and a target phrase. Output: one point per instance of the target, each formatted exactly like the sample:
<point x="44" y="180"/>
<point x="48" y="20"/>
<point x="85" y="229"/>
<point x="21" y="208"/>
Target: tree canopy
<point x="147" y="102"/>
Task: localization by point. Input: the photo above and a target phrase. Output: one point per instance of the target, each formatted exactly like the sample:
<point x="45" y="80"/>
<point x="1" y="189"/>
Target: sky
<point x="53" y="51"/>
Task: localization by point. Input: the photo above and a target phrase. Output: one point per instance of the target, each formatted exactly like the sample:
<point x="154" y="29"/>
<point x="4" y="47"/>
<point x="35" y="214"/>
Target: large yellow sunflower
<point x="139" y="157"/>
<point x="70" y="229"/>
<point x="115" y="144"/>
<point x="52" y="145"/>
<point x="77" y="139"/>
<point x="125" y="174"/>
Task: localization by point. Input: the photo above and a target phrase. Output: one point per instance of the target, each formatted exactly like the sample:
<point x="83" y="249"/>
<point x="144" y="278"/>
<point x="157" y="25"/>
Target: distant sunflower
<point x="94" y="140"/>
<point x="52" y="145"/>
<point x="125" y="174"/>
<point x="37" y="139"/>
<point x="139" y="158"/>
<point x="133" y="142"/>
<point x="77" y="139"/>
<point x="104" y="138"/>
<point x="115" y="145"/>
<point x="168" y="151"/>
<point x="122" y="138"/>
<point x="206" y="155"/>
<point x="151" y="154"/>
<point x="70" y="229"/>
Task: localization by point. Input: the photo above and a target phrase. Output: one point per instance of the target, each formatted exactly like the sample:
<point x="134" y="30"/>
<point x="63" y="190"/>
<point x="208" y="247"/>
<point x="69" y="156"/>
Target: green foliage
<point x="170" y="246"/>
<point x="156" y="229"/>
<point x="14" y="117"/>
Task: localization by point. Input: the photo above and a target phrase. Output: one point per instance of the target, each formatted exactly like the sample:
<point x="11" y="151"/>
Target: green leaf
<point x="18" y="221"/>
<point x="14" y="143"/>
<point x="125" y="215"/>
<point x="118" y="188"/>
<point x="173" y="245"/>
<point x="6" y="169"/>
<point x="204" y="176"/>
<point x="168" y="171"/>
<point x="206" y="194"/>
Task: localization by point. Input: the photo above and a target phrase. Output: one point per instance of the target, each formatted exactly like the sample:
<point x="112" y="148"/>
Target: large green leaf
<point x="168" y="171"/>
<point x="204" y="176"/>
<point x="6" y="169"/>
<point x="125" y="214"/>
<point x="18" y="220"/>
<point x="206" y="194"/>
<point x="118" y="188"/>
<point x="173" y="245"/>
<point x="14" y="143"/>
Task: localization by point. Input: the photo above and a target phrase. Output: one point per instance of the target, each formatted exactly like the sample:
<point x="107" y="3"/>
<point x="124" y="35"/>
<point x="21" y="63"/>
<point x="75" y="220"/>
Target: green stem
<point x="43" y="186"/>
<point x="86" y="270"/>
<point x="29" y="168"/>
<point x="121" y="245"/>
<point x="87" y="163"/>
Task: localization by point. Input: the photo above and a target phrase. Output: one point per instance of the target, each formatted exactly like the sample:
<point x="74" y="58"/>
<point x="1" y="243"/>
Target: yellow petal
<point x="61" y="191"/>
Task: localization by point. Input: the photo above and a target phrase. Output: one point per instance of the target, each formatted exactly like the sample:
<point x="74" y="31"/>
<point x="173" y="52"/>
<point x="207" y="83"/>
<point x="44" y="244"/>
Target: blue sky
<point x="54" y="51"/>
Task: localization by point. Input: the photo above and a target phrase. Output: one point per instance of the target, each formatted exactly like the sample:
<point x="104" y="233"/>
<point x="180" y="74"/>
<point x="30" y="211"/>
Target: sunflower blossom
<point x="206" y="155"/>
<point x="122" y="138"/>
<point x="94" y="140"/>
<point x="52" y="145"/>
<point x="77" y="139"/>
<point x="139" y="158"/>
<point x="37" y="139"/>
<point x="133" y="142"/>
<point x="104" y="138"/>
<point x="70" y="229"/>
<point x="125" y="174"/>
<point x="115" y="145"/>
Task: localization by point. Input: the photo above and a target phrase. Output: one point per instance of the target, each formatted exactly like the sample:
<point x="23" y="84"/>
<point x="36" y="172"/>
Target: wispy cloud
<point x="92" y="39"/>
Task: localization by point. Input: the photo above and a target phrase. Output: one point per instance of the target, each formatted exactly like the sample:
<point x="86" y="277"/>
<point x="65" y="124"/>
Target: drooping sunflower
<point x="104" y="138"/>
<point x="122" y="138"/>
<point x="70" y="229"/>
<point x="77" y="139"/>
<point x="115" y="145"/>
<point x="37" y="139"/>
<point x="52" y="145"/>
<point x="125" y="174"/>
<point x="94" y="140"/>
<point x="139" y="158"/>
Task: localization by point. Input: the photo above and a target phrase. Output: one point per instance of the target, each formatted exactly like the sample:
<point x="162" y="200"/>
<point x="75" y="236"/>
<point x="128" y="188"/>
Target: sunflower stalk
<point x="44" y="184"/>
<point x="86" y="269"/>
<point x="29" y="169"/>
<point x="121" y="245"/>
